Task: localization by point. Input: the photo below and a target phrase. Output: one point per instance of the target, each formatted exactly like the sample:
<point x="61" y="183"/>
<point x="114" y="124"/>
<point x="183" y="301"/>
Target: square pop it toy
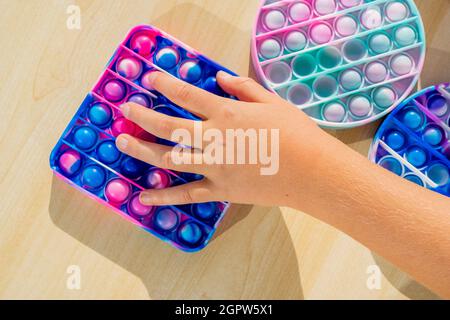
<point x="86" y="155"/>
<point x="343" y="62"/>
<point x="414" y="140"/>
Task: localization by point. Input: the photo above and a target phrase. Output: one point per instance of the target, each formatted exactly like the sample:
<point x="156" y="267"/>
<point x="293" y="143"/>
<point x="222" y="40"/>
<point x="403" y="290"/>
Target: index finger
<point x="187" y="96"/>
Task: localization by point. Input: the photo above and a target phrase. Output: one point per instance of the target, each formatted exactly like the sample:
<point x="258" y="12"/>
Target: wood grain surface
<point x="46" y="226"/>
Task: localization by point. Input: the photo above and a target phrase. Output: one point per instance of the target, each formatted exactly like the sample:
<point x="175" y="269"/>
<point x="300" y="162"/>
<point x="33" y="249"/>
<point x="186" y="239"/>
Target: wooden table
<point x="46" y="226"/>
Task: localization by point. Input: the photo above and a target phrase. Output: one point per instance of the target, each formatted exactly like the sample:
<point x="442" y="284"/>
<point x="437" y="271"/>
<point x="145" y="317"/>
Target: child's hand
<point x="317" y="174"/>
<point x="291" y="156"/>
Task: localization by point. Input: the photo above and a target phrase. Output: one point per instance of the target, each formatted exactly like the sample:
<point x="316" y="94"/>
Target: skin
<point x="406" y="224"/>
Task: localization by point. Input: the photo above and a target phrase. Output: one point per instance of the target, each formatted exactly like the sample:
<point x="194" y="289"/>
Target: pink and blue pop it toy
<point x="414" y="140"/>
<point x="343" y="62"/>
<point x="86" y="155"/>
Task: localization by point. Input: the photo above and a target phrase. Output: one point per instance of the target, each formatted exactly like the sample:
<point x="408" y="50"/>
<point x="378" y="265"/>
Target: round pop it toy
<point x="343" y="62"/>
<point x="414" y="140"/>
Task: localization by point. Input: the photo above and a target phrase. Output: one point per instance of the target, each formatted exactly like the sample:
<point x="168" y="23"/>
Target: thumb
<point x="245" y="89"/>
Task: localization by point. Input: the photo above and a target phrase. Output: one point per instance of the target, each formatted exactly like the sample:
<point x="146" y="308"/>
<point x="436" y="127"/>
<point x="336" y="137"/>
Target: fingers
<point x="245" y="89"/>
<point x="191" y="98"/>
<point x="156" y="123"/>
<point x="174" y="158"/>
<point x="193" y="192"/>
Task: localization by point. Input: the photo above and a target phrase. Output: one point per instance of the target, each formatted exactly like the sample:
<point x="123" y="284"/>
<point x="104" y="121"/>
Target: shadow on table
<point x="403" y="282"/>
<point x="251" y="256"/>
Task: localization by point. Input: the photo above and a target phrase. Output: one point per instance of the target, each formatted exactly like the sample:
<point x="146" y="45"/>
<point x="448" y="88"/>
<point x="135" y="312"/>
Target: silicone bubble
<point x="107" y="152"/>
<point x="137" y="209"/>
<point x="157" y="179"/>
<point x="166" y="219"/>
<point x="86" y="155"/>
<point x="143" y="43"/>
<point x="274" y="19"/>
<point x="299" y="11"/>
<point x="359" y="106"/>
<point x="117" y="191"/>
<point x="324" y="7"/>
<point x="329" y="57"/>
<point x="384" y="97"/>
<point x="405" y="36"/>
<point x="270" y="48"/>
<point x="204" y="210"/>
<point x="415" y="179"/>
<point x="85" y="137"/>
<point x="350" y="3"/>
<point x="374" y="49"/>
<point x="129" y="67"/>
<point x="140" y="99"/>
<point x="304" y="65"/>
<point x="132" y="168"/>
<point x="439" y="174"/>
<point x="278" y="72"/>
<point x="380" y="43"/>
<point x="434" y="135"/>
<point x="69" y="162"/>
<point x="190" y="71"/>
<point x="294" y="41"/>
<point x="321" y="33"/>
<point x="392" y="164"/>
<point x="395" y="139"/>
<point x="114" y="90"/>
<point x="299" y="94"/>
<point x="190" y="233"/>
<point x="351" y="79"/>
<point x="122" y="125"/>
<point x="418" y="139"/>
<point x="438" y="104"/>
<point x="93" y="177"/>
<point x="100" y="114"/>
<point x="167" y="58"/>
<point x="346" y="25"/>
<point x="334" y="112"/>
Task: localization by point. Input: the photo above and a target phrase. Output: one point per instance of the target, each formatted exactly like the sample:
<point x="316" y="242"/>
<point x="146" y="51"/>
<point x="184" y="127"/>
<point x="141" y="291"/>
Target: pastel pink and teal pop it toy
<point x="414" y="140"/>
<point x="86" y="156"/>
<point x="343" y="62"/>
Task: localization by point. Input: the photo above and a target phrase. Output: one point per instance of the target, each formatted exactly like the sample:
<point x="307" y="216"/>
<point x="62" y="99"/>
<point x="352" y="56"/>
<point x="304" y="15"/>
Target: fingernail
<point x="125" y="108"/>
<point x="122" y="142"/>
<point x="145" y="199"/>
<point x="224" y="75"/>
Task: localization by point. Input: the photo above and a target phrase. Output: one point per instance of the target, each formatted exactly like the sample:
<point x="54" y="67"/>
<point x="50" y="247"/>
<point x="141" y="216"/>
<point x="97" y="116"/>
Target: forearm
<point x="401" y="221"/>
